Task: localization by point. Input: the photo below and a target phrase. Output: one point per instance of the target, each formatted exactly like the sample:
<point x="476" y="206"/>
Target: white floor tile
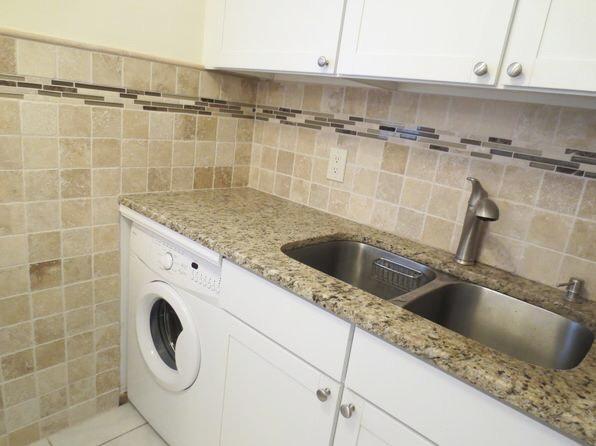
<point x="99" y="429"/>
<point x="141" y="436"/>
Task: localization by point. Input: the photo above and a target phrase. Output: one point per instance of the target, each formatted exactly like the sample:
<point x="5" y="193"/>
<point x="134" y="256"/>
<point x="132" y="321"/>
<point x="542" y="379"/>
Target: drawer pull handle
<point x="323" y="62"/>
<point x="347" y="410"/>
<point x="480" y="69"/>
<point x="514" y="69"/>
<point x="323" y="394"/>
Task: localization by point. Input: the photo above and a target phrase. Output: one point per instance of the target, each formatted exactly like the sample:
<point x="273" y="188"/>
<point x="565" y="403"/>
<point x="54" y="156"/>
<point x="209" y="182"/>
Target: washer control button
<point x="166" y="261"/>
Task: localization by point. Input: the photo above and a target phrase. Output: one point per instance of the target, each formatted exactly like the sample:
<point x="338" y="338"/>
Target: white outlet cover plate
<point x="336" y="168"/>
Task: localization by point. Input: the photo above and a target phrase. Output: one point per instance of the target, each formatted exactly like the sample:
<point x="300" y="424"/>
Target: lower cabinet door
<point x="442" y="408"/>
<point x="272" y="397"/>
<point x="362" y="424"/>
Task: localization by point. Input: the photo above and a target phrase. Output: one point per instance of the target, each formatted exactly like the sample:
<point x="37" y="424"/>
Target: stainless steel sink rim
<point x="504" y="323"/>
<point x="337" y="261"/>
<point x="563" y="346"/>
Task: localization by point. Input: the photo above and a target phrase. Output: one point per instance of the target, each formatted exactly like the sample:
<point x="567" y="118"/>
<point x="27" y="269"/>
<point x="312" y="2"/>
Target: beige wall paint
<point x="170" y="29"/>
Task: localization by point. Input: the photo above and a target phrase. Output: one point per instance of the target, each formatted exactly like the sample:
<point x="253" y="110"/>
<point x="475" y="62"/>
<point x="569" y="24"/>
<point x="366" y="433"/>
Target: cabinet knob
<point x="322" y="61"/>
<point x="514" y="69"/>
<point x="323" y="394"/>
<point x="480" y="68"/>
<point x="347" y="410"/>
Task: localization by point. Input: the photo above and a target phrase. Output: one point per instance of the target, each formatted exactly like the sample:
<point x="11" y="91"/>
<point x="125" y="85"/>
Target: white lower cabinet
<point x="297" y="325"/>
<point x="363" y="424"/>
<point x="285" y="363"/>
<point x="441" y="408"/>
<point x="271" y="395"/>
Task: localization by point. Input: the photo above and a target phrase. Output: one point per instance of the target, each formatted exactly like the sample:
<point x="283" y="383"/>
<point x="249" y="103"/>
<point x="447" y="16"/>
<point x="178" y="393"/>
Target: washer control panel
<point x="177" y="265"/>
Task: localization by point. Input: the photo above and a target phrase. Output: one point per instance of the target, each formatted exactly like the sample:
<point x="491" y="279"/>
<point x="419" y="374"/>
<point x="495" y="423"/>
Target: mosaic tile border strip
<point x="16" y="87"/>
<point x="577" y="162"/>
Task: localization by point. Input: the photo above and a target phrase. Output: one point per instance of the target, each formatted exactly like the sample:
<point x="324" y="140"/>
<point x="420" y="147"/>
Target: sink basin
<point x="509" y="325"/>
<point x="375" y="270"/>
<point x="514" y="327"/>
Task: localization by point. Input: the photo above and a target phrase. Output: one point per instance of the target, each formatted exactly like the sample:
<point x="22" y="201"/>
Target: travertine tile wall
<point x="64" y="158"/>
<point x="547" y="228"/>
<point x="62" y="166"/>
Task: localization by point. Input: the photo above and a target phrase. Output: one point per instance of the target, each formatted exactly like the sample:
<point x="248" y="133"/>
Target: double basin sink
<point x="519" y="329"/>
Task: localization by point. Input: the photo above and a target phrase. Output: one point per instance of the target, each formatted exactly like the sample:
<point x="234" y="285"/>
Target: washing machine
<point x="175" y="342"/>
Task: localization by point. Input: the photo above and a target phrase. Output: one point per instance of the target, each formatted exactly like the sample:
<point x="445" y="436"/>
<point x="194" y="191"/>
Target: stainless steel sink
<point x="371" y="269"/>
<point x="509" y="325"/>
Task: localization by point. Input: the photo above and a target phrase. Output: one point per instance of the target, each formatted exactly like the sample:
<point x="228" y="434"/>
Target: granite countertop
<point x="249" y="228"/>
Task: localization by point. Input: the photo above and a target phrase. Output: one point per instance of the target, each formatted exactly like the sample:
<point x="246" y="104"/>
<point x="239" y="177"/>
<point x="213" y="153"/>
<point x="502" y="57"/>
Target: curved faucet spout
<point x="478" y="192"/>
<point x="487" y="210"/>
<point x="481" y="209"/>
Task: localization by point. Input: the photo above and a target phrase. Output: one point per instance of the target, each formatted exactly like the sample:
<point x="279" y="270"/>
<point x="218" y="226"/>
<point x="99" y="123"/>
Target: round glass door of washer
<point x="167" y="337"/>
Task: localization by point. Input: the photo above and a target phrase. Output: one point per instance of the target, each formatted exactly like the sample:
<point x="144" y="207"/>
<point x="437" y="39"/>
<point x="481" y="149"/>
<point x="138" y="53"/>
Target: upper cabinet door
<point x="273" y="35"/>
<point x="552" y="45"/>
<point x="430" y="40"/>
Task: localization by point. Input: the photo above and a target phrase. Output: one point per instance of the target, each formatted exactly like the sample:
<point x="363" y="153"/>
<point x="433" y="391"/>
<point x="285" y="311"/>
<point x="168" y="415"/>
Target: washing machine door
<point x="167" y="336"/>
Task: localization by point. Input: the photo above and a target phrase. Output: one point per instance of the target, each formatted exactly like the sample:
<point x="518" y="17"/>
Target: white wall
<point x="171" y="29"/>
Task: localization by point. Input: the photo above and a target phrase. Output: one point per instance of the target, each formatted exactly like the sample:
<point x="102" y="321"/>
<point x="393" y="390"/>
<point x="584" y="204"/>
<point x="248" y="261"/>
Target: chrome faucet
<point x="480" y="210"/>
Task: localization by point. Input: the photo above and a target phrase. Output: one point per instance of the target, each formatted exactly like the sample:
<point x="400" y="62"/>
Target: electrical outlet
<point x="337" y="164"/>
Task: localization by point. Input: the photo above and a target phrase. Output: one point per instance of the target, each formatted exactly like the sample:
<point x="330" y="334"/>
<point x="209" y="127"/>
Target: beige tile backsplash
<point x="62" y="166"/>
<point x="547" y="227"/>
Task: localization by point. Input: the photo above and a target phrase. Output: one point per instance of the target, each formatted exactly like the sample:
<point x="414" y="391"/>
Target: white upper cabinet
<point x="273" y="35"/>
<point x="429" y="40"/>
<point x="552" y="45"/>
<point x="546" y="44"/>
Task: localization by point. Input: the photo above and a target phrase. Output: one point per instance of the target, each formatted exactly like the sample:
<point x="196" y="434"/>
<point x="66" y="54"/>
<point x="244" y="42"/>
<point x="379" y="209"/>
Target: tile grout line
<point x="122" y="434"/>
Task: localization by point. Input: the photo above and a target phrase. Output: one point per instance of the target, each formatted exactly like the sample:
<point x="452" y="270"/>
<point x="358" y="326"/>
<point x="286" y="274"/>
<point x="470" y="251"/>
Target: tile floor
<point x="122" y="426"/>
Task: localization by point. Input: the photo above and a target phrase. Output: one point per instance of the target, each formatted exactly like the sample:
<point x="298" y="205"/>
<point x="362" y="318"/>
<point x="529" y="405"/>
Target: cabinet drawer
<point x="442" y="408"/>
<point x="309" y="332"/>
